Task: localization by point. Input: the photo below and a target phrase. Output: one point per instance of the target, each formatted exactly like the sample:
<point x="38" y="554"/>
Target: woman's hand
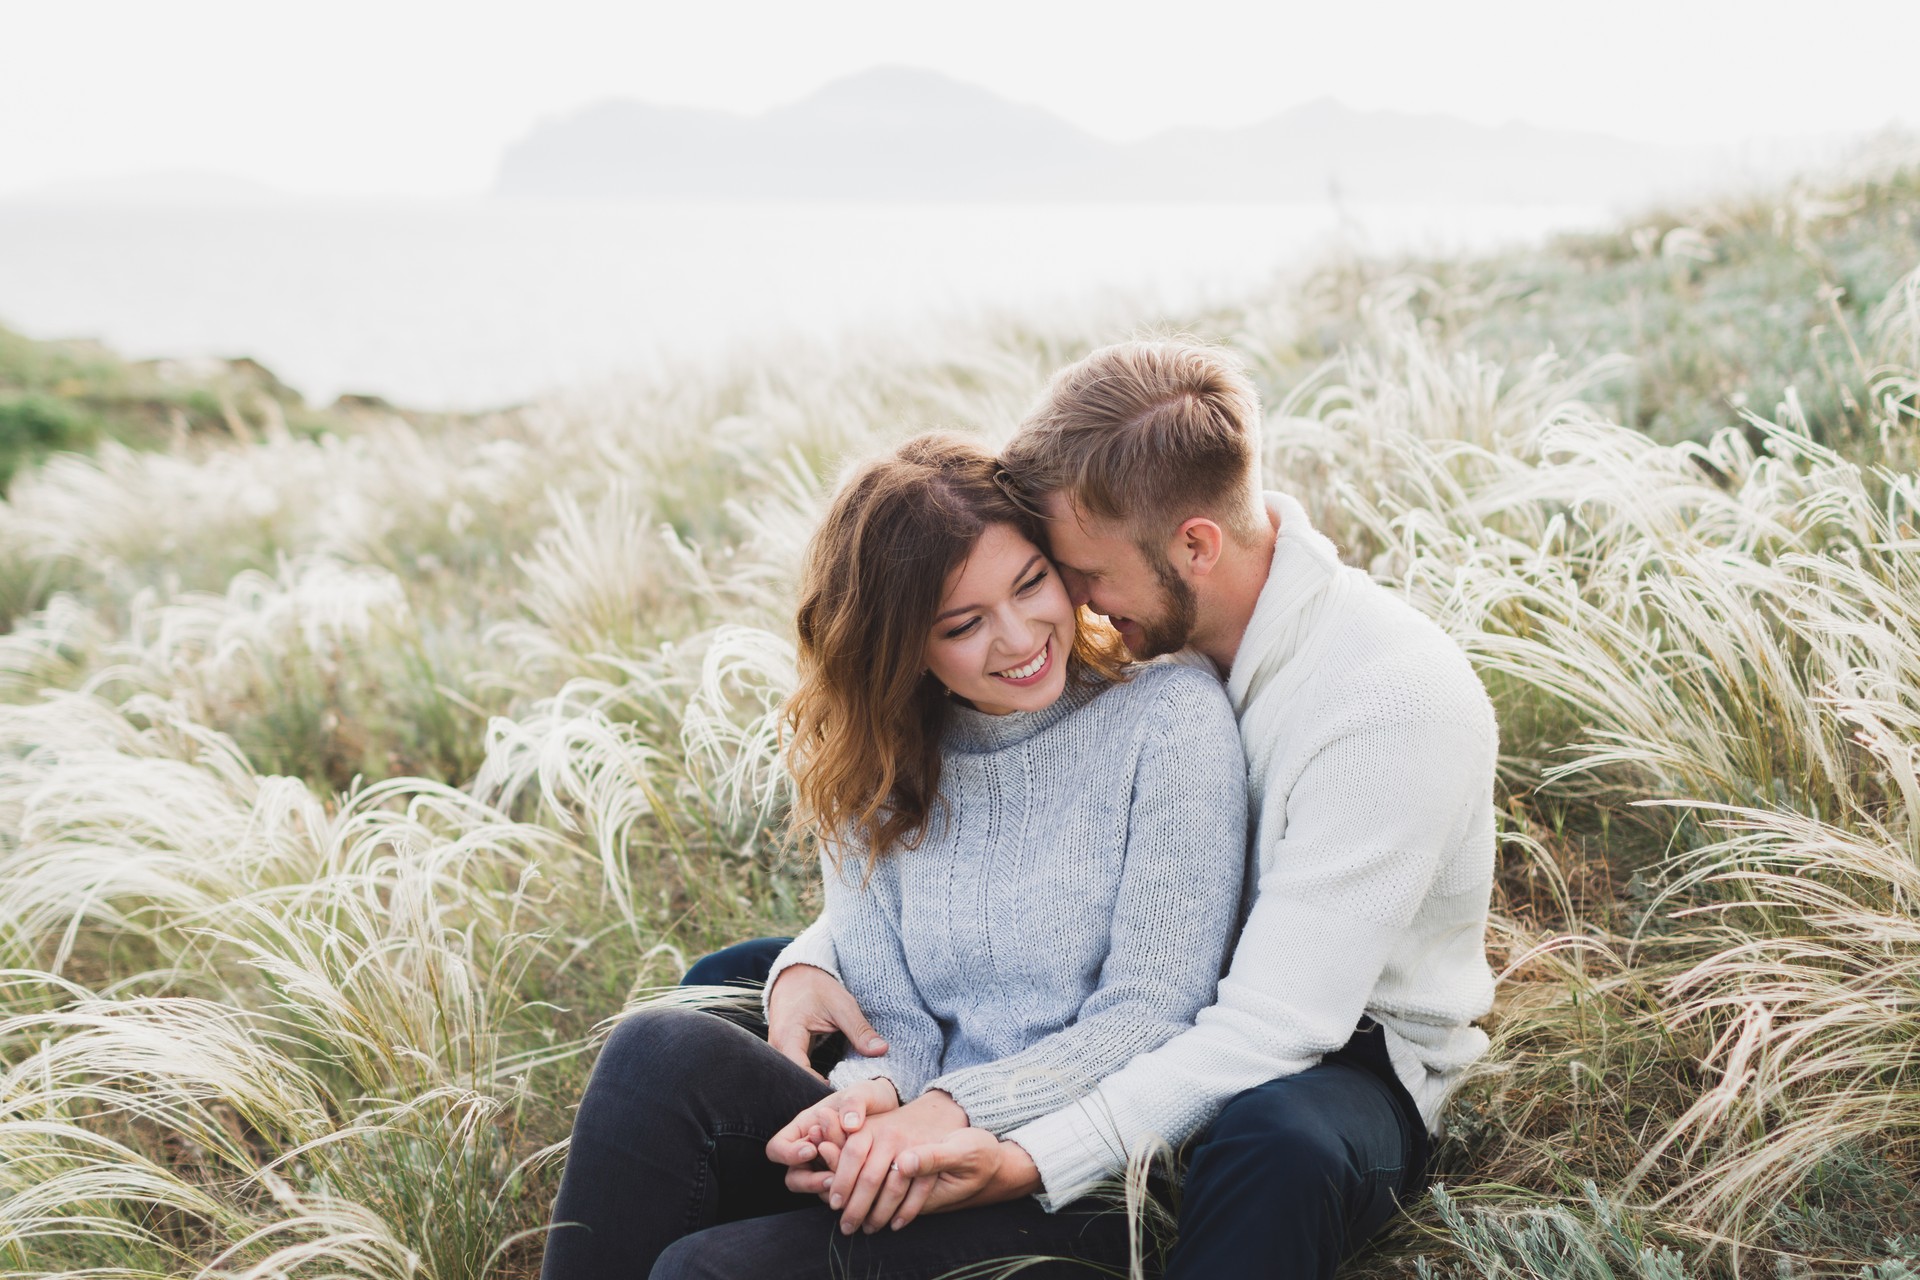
<point x="867" y="1183"/>
<point x="830" y="1121"/>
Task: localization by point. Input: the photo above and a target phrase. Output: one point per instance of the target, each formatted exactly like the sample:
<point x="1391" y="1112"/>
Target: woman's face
<point x="1004" y="628"/>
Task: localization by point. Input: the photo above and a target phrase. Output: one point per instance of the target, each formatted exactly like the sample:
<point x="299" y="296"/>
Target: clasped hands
<point x="877" y="1163"/>
<point x="881" y="1164"/>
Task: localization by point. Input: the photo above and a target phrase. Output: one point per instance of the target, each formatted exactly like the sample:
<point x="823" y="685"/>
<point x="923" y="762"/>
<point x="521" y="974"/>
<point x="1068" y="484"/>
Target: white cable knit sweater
<point x="1068" y="909"/>
<point x="1370" y="760"/>
<point x="1370" y="752"/>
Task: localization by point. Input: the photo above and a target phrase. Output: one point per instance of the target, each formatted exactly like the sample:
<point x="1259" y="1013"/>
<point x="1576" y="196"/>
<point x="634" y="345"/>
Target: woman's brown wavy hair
<point x="866" y="717"/>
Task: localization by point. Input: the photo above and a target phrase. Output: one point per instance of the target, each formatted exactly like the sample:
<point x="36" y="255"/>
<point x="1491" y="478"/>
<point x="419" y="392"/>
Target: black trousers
<point x="1292" y="1177"/>
<point x="668" y="1177"/>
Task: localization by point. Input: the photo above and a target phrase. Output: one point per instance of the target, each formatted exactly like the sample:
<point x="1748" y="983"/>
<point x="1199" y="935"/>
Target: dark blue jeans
<point x="1296" y="1174"/>
<point x="1293" y="1176"/>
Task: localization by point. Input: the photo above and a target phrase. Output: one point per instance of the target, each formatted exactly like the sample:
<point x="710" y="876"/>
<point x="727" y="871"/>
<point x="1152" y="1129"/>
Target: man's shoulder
<point x="1387" y="658"/>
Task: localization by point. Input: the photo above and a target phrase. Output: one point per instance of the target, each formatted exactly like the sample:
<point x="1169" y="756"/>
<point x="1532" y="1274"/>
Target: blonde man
<point x="1345" y="1016"/>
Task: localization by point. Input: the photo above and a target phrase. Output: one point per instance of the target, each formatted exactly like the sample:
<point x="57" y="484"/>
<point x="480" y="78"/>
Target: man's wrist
<point x="786" y="970"/>
<point x="1017" y="1174"/>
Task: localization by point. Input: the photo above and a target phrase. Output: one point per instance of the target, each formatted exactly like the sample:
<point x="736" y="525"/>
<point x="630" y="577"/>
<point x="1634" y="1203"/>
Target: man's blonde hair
<point x="1146" y="434"/>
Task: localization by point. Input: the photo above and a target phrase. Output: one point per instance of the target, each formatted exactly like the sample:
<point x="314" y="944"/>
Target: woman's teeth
<point x="1030" y="669"/>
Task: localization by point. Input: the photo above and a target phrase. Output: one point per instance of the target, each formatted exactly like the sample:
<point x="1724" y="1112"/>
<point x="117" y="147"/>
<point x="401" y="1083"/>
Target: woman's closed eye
<point x="1026" y="588"/>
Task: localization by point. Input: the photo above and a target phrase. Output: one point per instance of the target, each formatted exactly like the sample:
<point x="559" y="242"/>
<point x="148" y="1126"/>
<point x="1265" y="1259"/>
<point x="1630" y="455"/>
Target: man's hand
<point x="970" y="1168"/>
<point x="806" y="1001"/>
<point x="827" y="1124"/>
<point x="866" y="1182"/>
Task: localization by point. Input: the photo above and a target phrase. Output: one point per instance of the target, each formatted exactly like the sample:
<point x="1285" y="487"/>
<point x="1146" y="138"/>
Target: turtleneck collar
<point x="974" y="732"/>
<point x="1306" y="567"/>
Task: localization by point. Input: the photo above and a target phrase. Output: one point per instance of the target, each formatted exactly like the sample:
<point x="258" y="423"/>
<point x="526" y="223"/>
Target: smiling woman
<point x="924" y="584"/>
<point x="1004" y="647"/>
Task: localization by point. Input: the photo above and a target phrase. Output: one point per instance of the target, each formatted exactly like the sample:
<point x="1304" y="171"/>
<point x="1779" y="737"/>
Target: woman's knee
<point x="682" y="1260"/>
<point x="736" y="1251"/>
<point x="655" y="1047"/>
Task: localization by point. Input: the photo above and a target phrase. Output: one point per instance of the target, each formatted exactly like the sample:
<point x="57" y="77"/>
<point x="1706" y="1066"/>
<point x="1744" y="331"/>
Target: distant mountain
<point x="899" y="134"/>
<point x="888" y="133"/>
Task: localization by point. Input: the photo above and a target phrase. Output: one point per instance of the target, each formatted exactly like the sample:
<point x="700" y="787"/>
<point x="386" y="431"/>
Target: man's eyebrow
<point x="974" y="608"/>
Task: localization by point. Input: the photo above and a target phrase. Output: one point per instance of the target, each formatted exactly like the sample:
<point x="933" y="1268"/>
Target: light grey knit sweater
<point x="1067" y="910"/>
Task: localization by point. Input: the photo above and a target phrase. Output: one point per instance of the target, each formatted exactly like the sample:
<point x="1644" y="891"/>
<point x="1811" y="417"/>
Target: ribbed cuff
<point x="991" y="1097"/>
<point x="1073" y="1153"/>
<point x="854" y="1069"/>
<point x="814" y="946"/>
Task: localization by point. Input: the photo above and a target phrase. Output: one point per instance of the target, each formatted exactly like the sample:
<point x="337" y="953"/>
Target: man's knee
<point x="744" y="964"/>
<point x="1276" y="1120"/>
<point x="1297" y="1141"/>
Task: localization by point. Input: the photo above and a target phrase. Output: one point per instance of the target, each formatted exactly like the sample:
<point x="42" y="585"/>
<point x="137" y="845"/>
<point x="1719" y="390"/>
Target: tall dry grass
<point x="348" y="787"/>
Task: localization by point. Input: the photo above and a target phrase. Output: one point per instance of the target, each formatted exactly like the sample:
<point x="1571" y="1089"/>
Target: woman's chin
<point x="1040" y="696"/>
<point x="1001" y="697"/>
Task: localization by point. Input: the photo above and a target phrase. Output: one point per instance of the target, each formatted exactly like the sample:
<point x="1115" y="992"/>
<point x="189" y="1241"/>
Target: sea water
<point x="474" y="304"/>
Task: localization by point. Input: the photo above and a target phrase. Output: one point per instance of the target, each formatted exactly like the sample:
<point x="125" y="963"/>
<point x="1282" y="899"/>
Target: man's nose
<point x="1078" y="589"/>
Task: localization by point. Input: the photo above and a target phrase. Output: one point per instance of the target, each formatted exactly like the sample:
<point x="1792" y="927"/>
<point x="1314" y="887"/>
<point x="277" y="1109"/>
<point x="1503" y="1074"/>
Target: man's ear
<point x="1197" y="545"/>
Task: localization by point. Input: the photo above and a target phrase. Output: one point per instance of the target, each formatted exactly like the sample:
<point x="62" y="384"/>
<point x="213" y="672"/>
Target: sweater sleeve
<point x="1364" y="830"/>
<point x="863" y="921"/>
<point x="1180" y="881"/>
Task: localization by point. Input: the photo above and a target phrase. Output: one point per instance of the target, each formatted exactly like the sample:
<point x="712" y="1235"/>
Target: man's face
<point x="1147" y="601"/>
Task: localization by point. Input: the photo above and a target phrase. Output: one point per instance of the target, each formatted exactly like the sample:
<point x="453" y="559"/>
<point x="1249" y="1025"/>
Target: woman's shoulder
<point x="1171" y="690"/>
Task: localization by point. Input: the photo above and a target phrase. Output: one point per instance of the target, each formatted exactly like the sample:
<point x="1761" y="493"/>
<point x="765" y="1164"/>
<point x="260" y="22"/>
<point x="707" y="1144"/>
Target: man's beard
<point x="1179" y="614"/>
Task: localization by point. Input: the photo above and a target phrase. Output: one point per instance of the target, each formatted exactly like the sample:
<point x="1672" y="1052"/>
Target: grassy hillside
<point x="350" y="782"/>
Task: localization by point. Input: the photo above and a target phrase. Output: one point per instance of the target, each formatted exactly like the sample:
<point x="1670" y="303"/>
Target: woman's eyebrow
<point x="976" y="608"/>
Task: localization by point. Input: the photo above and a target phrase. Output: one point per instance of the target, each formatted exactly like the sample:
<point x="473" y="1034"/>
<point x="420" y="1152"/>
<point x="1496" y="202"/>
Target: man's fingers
<point x="917" y="1192"/>
<point x="792" y="1145"/>
<point x="933" y="1159"/>
<point x="844" y="1010"/>
<point x="793" y="1042"/>
<point x="792" y="1153"/>
<point x="808" y="1182"/>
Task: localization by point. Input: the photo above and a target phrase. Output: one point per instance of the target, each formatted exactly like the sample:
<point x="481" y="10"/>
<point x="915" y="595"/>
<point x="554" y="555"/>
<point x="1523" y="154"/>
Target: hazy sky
<point x="390" y="97"/>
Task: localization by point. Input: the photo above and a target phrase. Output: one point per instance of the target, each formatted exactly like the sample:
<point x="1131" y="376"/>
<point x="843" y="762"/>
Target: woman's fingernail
<point x="804" y="1151"/>
<point x="896" y="1224"/>
<point x="834" y="1203"/>
<point x="851" y="1119"/>
<point x="846" y="1228"/>
<point x="876" y="1046"/>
